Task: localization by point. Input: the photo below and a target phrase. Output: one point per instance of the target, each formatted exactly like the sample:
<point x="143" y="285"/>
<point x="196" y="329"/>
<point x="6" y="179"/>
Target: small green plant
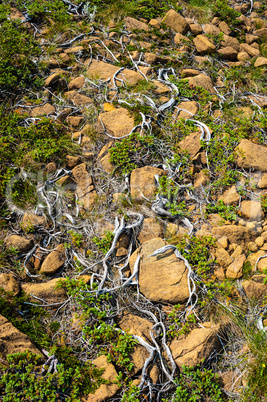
<point x="170" y="191"/>
<point x="22" y="379"/>
<point x="105" y="242"/>
<point x="196" y="385"/>
<point x="76" y="238"/>
<point x="228" y="212"/>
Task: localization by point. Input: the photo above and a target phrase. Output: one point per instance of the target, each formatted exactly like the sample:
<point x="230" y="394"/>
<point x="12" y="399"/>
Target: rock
<point x="230" y="41"/>
<point x="154" y="23"/>
<point x="135" y="325"/>
<point x="181" y="39"/>
<point x="224" y="28"/>
<point x="20" y="243"/>
<point x="104" y="71"/>
<point x="77" y="83"/>
<point x="262" y="183"/>
<point x="251" y="156"/>
<point x="176" y="22"/>
<point x="52" y="79"/>
<point x="262" y="264"/>
<point x="132" y="23"/>
<point x="252" y="246"/>
<point x="193" y="348"/>
<point x="243" y="56"/>
<point x="235" y="271"/>
<point x="259" y="241"/>
<point x="166" y="270"/>
<point x="203" y="45"/>
<point x="189" y="72"/>
<point x="54" y="261"/>
<point x="74" y="121"/>
<point x="77" y="98"/>
<point x="9" y="284"/>
<point x="254" y="290"/>
<point x="235" y="234"/>
<point x="46" y="291"/>
<point x="15" y="14"/>
<point x="230" y="196"/>
<point x="261" y="33"/>
<point x="190" y="108"/>
<point x="250" y="38"/>
<point x="196" y="29"/>
<point x="13" y="341"/>
<point x="74" y="50"/>
<point x="105" y="391"/>
<point x="253" y="257"/>
<point x="223" y="242"/>
<point x="85" y="188"/>
<point x="211" y="29"/>
<point x="160" y="89"/>
<point x="191" y="143"/>
<point x="228" y="53"/>
<point x="64" y="114"/>
<point x="222" y="257"/>
<point x="72" y="161"/>
<point x="202" y="81"/>
<point x="30" y="220"/>
<point x="151" y="228"/>
<point x="118" y="122"/>
<point x="42" y="110"/>
<point x="250" y="50"/>
<point x="260" y="61"/>
<point x="251" y="210"/>
<point x="200" y="179"/>
<point x="143" y="181"/>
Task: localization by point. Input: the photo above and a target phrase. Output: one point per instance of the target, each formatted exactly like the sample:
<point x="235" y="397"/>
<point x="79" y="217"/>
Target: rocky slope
<point x="133" y="202"/>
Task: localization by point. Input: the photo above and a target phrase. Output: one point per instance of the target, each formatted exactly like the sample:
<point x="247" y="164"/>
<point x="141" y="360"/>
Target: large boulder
<point x="54" y="261"/>
<point x="251" y="210"/>
<point x="150" y="229"/>
<point x="191" y="143"/>
<point x="85" y="188"/>
<point x="176" y="22"/>
<point x="117" y="122"/>
<point x="13" y="341"/>
<point x="162" y="278"/>
<point x="192" y="349"/>
<point x="235" y="270"/>
<point x="143" y="182"/>
<point x="251" y="156"/>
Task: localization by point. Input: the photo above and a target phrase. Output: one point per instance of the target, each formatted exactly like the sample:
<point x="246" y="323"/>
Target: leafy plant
<point x="105" y="242"/>
<point x="228" y="212"/>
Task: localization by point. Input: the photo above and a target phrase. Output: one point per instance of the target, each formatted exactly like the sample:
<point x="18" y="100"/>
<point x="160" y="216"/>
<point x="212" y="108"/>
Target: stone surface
<point x="77" y="83"/>
<point x="251" y="210"/>
<point x="52" y="79"/>
<point x="235" y="270"/>
<point x="203" y="44"/>
<point x="262" y="183"/>
<point x="14" y="341"/>
<point x="254" y="290"/>
<point x="203" y="81"/>
<point x="235" y="234"/>
<point x="223" y="257"/>
<point x="104" y="71"/>
<point x="105" y="391"/>
<point x="250" y="50"/>
<point x="190" y="108"/>
<point x="253" y="257"/>
<point x="198" y="345"/>
<point x="191" y="143"/>
<point x="230" y="41"/>
<point x="132" y="23"/>
<point x="196" y="29"/>
<point x="251" y="156"/>
<point x="42" y="110"/>
<point x="9" y="284"/>
<point x="142" y="181"/>
<point x="162" y="278"/>
<point x="176" y="22"/>
<point x="77" y="98"/>
<point x="20" y="243"/>
<point x="135" y="325"/>
<point x="224" y="28"/>
<point x="54" y="261"/>
<point x="46" y="291"/>
<point x="85" y="189"/>
<point x="117" y="122"/>
<point x="151" y="228"/>
<point x="200" y="179"/>
<point x="227" y="53"/>
<point x="230" y="196"/>
<point x="30" y="220"/>
<point x="72" y="161"/>
<point x="260" y="61"/>
<point x="180" y="39"/>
